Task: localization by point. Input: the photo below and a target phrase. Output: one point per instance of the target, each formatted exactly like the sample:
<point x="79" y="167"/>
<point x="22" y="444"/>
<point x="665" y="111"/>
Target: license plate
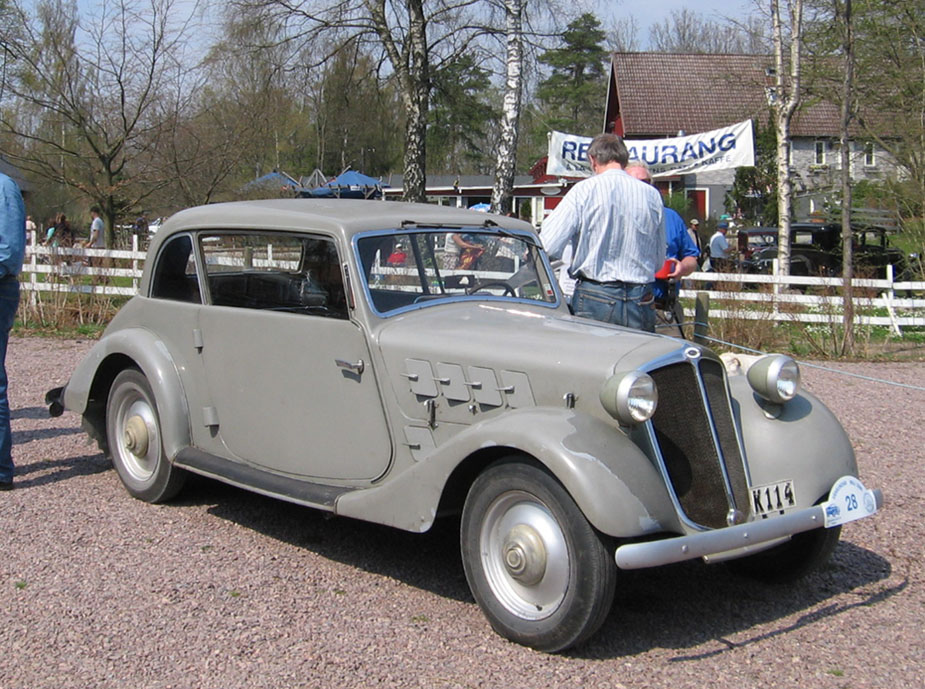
<point x="773" y="498"/>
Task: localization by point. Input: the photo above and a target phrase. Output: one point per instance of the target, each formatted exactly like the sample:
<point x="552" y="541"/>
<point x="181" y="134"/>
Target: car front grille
<point x="697" y="439"/>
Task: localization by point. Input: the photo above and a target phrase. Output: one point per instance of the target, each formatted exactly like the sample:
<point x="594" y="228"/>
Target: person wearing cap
<point x="694" y="231"/>
<point x="719" y="248"/>
<point x="616" y="228"/>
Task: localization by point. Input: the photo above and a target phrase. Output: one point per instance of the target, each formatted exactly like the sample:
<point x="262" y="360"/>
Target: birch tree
<point x="784" y="98"/>
<point x="506" y="160"/>
<point x="413" y="37"/>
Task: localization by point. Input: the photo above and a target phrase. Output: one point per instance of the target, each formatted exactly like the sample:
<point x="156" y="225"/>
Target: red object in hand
<point x="665" y="270"/>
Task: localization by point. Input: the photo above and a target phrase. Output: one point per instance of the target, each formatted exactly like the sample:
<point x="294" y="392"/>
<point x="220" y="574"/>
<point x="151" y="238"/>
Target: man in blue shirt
<point x="681" y="248"/>
<point x="12" y="249"/>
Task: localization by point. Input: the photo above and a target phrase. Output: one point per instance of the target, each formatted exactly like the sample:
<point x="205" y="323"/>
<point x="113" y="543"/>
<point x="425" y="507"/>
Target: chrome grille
<point x="698" y="442"/>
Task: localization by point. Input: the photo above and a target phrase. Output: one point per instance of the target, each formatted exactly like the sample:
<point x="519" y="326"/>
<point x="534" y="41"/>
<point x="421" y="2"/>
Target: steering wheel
<point x="508" y="289"/>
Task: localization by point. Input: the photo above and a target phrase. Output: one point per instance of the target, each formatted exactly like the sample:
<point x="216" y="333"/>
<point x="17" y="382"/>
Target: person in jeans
<point x="618" y="226"/>
<point x="12" y="249"/>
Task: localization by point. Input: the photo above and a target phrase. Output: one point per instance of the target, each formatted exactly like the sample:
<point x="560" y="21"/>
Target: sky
<point x="648" y="12"/>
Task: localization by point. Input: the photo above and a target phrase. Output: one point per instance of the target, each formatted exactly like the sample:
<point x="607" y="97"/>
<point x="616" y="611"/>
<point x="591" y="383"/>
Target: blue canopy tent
<point x="275" y="180"/>
<point x="350" y="185"/>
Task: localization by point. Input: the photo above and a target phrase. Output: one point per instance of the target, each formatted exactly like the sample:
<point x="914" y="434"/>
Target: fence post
<point x="888" y="297"/>
<point x="33" y="264"/>
<point x="134" y="261"/>
<point x="701" y="317"/>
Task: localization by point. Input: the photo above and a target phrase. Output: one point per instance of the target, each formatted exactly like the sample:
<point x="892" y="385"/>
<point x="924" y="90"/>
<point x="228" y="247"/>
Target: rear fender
<point x="88" y="388"/>
<point x="613" y="482"/>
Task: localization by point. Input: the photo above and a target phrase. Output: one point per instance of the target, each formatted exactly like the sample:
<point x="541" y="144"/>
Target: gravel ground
<point x="227" y="589"/>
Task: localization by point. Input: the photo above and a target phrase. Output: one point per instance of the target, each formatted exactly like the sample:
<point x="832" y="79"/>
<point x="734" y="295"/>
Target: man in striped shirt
<point x="616" y="226"/>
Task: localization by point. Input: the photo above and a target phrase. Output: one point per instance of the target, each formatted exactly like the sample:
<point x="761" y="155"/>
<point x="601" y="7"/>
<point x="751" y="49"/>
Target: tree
<point x="784" y="99"/>
<point x="575" y="90"/>
<point x="843" y="17"/>
<point x="459" y="117"/>
<point x="686" y="31"/>
<point x="81" y="94"/>
<point x="506" y="159"/>
<point x="413" y="38"/>
<point x="754" y="189"/>
<point x="890" y="73"/>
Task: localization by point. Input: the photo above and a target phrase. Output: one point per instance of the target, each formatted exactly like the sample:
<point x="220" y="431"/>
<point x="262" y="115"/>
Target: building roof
<point x="660" y="94"/>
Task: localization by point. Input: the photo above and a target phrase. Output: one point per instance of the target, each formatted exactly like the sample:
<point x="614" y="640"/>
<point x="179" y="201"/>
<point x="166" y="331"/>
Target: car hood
<point x="543" y="343"/>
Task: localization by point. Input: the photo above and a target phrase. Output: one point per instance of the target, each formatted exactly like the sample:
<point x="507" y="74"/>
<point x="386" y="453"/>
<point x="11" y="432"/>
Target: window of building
<point x="819" y="153"/>
<point x="869" y="159"/>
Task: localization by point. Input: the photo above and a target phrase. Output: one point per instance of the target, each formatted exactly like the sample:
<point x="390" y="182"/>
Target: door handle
<point x="357" y="367"/>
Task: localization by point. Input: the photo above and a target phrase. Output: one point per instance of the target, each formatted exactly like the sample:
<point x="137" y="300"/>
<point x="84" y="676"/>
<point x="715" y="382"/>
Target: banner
<point x="720" y="149"/>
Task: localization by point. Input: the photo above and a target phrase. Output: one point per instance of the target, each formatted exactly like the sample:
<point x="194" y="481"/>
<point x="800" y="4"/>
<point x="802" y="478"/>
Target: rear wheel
<point x="133" y="429"/>
<point x="539" y="571"/>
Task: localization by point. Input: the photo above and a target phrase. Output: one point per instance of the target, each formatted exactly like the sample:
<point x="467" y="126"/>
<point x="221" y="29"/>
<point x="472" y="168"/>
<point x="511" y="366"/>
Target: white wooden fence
<point x="883" y="302"/>
<point x="80" y="270"/>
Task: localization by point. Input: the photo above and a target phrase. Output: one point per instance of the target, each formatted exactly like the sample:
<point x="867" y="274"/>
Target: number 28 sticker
<point x="848" y="500"/>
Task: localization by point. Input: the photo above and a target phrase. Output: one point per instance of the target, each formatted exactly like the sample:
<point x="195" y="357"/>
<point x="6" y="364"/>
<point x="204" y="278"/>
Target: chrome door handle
<point x="357" y="368"/>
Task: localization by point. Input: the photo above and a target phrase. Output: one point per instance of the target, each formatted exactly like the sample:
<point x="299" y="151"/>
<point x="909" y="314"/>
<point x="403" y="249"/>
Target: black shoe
<point x="6" y="485"/>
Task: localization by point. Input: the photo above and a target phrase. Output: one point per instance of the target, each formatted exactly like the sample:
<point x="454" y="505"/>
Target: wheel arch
<point x="88" y="389"/>
<point x="611" y="480"/>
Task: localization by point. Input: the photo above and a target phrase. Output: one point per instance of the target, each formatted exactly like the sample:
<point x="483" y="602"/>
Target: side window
<point x="278" y="272"/>
<point x="174" y="274"/>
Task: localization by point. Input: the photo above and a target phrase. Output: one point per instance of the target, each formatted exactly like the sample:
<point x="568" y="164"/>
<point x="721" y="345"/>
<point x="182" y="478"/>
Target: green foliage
<point x="754" y="190"/>
<point x="575" y="92"/>
<point x="681" y="203"/>
<point x="459" y="119"/>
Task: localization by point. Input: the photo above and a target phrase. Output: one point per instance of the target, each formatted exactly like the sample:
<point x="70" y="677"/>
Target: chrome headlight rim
<point x="775" y="378"/>
<point x="631" y="397"/>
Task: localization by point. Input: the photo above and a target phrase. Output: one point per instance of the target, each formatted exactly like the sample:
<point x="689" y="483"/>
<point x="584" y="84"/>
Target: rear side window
<point x="174" y="275"/>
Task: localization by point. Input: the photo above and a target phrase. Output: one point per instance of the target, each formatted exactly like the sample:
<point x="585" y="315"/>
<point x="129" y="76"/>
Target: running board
<point x="306" y="493"/>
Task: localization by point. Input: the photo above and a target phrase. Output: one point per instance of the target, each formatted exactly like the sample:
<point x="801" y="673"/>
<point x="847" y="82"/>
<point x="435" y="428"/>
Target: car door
<point x="287" y="371"/>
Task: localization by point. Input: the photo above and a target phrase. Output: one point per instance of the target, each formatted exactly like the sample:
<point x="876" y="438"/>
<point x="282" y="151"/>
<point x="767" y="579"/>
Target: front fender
<point x="801" y="440"/>
<point x="613" y="482"/>
<point x="88" y="388"/>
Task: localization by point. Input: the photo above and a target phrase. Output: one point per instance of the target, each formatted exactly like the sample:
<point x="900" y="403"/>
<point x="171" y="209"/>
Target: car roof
<point x="345" y="217"/>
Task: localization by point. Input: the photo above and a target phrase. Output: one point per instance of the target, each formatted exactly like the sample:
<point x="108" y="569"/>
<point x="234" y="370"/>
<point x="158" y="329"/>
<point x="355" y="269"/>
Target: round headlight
<point x="630" y="397"/>
<point x="775" y="377"/>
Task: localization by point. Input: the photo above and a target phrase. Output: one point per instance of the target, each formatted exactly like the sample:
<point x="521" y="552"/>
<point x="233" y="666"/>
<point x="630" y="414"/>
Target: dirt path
<point x="227" y="589"/>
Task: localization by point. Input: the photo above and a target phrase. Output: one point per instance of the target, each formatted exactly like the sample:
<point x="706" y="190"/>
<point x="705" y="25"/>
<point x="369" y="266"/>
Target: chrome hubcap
<point x="525" y="555"/>
<point x="135" y="436"/>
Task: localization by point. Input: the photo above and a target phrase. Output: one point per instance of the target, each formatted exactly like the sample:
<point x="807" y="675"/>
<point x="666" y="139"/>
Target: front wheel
<point x="539" y="571"/>
<point x="787" y="562"/>
<point x="133" y="429"/>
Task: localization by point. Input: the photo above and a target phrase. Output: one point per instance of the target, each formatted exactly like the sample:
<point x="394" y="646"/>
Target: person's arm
<point x="685" y="266"/>
<point x="463" y="244"/>
<point x="12" y="227"/>
<point x="559" y="227"/>
<point x="687" y="256"/>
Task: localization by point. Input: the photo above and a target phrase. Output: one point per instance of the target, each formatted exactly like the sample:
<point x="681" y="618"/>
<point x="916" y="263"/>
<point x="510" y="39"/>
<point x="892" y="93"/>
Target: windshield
<point x="410" y="268"/>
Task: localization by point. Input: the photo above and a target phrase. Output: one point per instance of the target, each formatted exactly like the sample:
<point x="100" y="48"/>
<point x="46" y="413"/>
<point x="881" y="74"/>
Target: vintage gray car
<point x="397" y="362"/>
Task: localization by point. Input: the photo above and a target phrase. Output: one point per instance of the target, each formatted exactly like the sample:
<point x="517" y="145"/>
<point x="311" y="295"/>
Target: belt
<point x="611" y="283"/>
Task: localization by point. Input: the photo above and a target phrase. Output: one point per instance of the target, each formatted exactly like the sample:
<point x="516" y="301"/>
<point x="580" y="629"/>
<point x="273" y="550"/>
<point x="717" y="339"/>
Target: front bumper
<point x="717" y="541"/>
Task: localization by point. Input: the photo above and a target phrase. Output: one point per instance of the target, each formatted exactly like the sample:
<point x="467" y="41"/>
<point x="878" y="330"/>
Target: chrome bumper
<point x="753" y="534"/>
